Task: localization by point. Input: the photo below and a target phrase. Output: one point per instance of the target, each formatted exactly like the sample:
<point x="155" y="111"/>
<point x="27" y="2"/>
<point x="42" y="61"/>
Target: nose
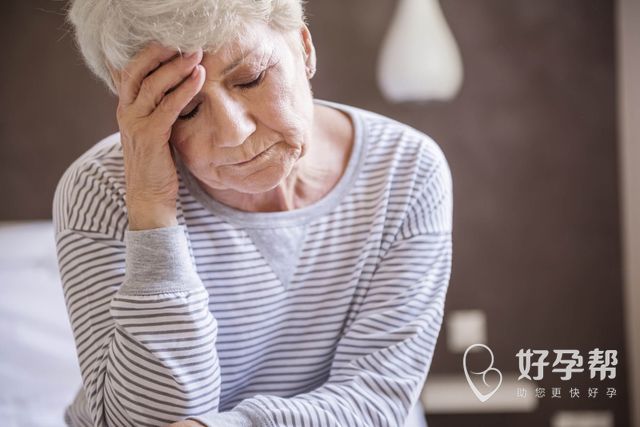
<point x="232" y="121"/>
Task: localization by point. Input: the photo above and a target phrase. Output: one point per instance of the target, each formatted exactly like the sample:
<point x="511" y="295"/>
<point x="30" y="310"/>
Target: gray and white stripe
<point x="191" y="321"/>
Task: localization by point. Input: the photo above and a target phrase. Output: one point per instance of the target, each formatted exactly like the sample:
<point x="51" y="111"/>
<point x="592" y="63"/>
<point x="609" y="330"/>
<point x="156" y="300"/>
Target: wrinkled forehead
<point x="245" y="38"/>
<point x="250" y="40"/>
<point x="221" y="49"/>
<point x="187" y="33"/>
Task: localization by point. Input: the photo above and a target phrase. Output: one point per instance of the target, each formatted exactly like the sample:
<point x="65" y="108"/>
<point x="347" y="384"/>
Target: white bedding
<point x="38" y="367"/>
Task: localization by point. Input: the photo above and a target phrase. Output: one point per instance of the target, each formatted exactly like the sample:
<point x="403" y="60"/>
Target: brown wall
<point x="52" y="108"/>
<point x="531" y="141"/>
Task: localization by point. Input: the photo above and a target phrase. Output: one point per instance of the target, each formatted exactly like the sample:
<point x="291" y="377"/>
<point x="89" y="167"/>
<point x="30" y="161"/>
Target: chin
<point x="263" y="180"/>
<point x="268" y="175"/>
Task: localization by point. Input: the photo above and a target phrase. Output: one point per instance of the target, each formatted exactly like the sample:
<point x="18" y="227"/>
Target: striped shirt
<point x="326" y="315"/>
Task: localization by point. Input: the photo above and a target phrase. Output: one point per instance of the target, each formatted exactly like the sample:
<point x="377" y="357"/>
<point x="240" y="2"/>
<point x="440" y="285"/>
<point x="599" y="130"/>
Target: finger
<point x="172" y="104"/>
<point x="143" y="63"/>
<point x="163" y="80"/>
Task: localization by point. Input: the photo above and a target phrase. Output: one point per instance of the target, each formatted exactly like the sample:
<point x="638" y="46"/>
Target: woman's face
<point x="256" y="101"/>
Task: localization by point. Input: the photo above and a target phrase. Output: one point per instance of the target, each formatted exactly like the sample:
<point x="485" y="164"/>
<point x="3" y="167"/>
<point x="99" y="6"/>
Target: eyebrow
<point x="237" y="62"/>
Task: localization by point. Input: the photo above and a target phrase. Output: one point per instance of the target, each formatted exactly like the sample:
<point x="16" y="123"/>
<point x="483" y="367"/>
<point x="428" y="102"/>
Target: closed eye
<point x="191" y="114"/>
<point x="253" y="83"/>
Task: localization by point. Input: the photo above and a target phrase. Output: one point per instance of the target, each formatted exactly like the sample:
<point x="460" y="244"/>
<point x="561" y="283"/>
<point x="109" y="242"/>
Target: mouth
<point x="256" y="157"/>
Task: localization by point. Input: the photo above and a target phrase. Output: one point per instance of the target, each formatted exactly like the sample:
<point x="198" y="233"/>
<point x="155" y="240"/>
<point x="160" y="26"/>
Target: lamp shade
<point x="419" y="60"/>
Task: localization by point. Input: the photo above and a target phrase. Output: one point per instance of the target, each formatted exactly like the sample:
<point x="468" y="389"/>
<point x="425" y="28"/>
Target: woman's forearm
<point x="144" y="333"/>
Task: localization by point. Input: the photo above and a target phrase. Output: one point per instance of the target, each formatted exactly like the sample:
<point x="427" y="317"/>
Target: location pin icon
<point x="483" y="397"/>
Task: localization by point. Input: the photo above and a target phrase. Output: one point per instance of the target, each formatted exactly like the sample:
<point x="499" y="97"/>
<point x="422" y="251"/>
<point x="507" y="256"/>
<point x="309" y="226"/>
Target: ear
<point x="309" y="50"/>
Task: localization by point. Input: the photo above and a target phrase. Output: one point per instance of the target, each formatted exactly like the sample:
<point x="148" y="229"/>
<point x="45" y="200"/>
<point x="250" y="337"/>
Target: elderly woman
<point x="241" y="254"/>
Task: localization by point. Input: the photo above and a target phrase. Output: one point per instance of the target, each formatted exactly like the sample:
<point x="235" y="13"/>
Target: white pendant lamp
<point x="420" y="60"/>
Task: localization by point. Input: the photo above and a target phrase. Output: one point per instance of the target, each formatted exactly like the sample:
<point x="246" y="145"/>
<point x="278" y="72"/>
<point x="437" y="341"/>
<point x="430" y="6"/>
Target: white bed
<point x="39" y="374"/>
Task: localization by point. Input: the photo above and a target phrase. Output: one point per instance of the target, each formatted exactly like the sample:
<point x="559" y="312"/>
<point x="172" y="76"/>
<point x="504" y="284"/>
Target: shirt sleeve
<point x="144" y="335"/>
<point x="382" y="360"/>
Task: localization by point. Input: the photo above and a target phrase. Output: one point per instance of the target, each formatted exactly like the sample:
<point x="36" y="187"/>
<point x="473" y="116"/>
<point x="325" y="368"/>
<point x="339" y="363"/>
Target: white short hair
<point x="113" y="31"/>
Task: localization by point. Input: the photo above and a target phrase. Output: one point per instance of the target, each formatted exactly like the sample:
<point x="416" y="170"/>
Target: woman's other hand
<point x="153" y="89"/>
